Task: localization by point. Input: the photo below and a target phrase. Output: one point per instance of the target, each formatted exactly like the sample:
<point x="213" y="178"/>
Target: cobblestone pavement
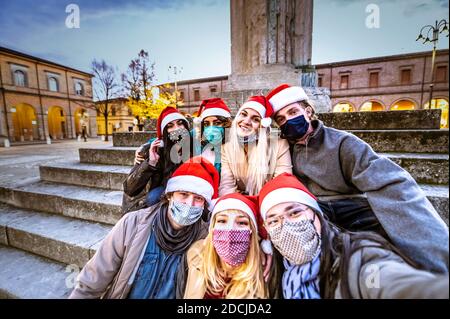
<point x="19" y="165"/>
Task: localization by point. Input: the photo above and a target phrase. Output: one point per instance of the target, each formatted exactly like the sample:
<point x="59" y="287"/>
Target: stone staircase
<point x="60" y="220"/>
<point x="50" y="228"/>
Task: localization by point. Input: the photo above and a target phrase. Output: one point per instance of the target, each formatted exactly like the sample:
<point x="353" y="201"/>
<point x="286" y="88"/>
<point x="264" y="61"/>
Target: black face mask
<point x="295" y="128"/>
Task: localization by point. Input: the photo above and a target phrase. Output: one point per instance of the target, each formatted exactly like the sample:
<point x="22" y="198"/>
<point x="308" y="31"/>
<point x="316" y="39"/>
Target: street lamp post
<point x="176" y="72"/>
<point x="438" y="28"/>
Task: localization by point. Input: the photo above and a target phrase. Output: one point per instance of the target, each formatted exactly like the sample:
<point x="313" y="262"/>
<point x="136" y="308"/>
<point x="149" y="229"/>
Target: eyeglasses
<point x="300" y="213"/>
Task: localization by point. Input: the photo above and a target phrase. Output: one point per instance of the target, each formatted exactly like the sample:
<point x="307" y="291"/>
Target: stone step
<point x="132" y="139"/>
<point x="63" y="239"/>
<point x="108" y="155"/>
<point x="399" y="141"/>
<point x="86" y="203"/>
<point x="411" y="141"/>
<point x="438" y="196"/>
<point x="91" y="175"/>
<point x="424" y="168"/>
<point x="385" y="120"/>
<point x="26" y="276"/>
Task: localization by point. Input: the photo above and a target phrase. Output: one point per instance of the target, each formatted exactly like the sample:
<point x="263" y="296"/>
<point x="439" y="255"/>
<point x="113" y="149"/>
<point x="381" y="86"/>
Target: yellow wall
<point x="25" y="123"/>
<point x="56" y="123"/>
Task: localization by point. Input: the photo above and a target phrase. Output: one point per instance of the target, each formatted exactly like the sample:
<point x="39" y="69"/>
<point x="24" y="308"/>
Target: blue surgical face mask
<point x="214" y="134"/>
<point x="295" y="128"/>
<point x="183" y="214"/>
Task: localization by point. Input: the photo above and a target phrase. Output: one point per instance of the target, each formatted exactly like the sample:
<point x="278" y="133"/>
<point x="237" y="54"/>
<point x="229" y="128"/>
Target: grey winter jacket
<point x="339" y="164"/>
<point x="377" y="273"/>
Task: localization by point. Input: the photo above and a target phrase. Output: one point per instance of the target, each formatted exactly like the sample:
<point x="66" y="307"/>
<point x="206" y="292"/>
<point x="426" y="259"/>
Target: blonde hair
<point x="262" y="158"/>
<point x="247" y="280"/>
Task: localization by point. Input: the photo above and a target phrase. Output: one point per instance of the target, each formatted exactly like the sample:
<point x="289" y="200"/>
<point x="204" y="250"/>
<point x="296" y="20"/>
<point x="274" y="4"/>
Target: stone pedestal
<point x="320" y="98"/>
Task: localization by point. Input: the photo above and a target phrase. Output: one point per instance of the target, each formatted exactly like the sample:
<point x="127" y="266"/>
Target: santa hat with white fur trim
<point x="213" y="107"/>
<point x="283" y="189"/>
<point x="284" y="94"/>
<point x="248" y="205"/>
<point x="167" y="115"/>
<point x="261" y="105"/>
<point x="198" y="176"/>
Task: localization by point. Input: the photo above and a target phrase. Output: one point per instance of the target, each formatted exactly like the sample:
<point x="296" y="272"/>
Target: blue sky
<point x="195" y="34"/>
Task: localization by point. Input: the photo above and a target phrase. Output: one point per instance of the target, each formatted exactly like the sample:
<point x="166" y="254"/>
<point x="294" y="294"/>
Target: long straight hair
<point x="342" y="244"/>
<point x="259" y="165"/>
<point x="168" y="166"/>
<point x="247" y="280"/>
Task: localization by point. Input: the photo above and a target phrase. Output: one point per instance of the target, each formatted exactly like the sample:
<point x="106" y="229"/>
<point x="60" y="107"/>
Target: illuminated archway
<point x="25" y="123"/>
<point x="343" y="107"/>
<point x="440" y="103"/>
<point x="57" y="123"/>
<point x="81" y="119"/>
<point x="371" y="106"/>
<point x="403" y="105"/>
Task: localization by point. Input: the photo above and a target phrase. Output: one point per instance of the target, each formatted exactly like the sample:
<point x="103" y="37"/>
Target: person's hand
<point x="267" y="264"/>
<point x="153" y="157"/>
<point x="138" y="158"/>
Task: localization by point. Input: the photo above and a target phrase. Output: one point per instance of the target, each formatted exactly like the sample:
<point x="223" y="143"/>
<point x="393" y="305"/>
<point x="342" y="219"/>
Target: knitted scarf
<point x="301" y="282"/>
<point x="174" y="241"/>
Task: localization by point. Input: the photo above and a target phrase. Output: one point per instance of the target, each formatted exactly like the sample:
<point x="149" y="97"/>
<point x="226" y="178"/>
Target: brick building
<point x="40" y="99"/>
<point x="120" y="118"/>
<point x="398" y="82"/>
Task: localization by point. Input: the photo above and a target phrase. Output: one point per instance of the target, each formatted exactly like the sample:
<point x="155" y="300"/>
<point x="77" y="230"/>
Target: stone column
<point x="269" y="39"/>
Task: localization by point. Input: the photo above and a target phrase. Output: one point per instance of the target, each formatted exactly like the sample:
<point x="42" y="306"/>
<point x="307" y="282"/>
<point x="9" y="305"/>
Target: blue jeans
<point x="154" y="195"/>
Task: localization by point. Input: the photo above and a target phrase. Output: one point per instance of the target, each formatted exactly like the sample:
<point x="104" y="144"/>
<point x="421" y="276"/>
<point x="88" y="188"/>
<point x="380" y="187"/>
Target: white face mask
<point x="183" y="214"/>
<point x="297" y="241"/>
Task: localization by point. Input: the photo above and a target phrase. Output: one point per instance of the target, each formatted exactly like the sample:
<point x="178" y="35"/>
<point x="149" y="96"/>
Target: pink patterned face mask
<point x="232" y="245"/>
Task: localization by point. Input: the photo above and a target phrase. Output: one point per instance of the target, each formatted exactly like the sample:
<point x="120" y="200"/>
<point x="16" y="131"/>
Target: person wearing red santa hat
<point x="141" y="257"/>
<point x="157" y="160"/>
<point x="253" y="154"/>
<point x="323" y="261"/>
<point x="227" y="263"/>
<point x="358" y="188"/>
<point x="214" y="117"/>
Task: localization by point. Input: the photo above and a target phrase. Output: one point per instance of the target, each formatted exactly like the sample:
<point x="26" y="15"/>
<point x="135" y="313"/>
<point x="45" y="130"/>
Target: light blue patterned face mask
<point x="183" y="214"/>
<point x="214" y="134"/>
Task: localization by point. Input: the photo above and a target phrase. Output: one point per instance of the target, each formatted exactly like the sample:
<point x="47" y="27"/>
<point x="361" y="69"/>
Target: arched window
<point x="371" y="106"/>
<point x="79" y="89"/>
<point x="403" y="105"/>
<point x="343" y="107"/>
<point x="20" y="78"/>
<point x="442" y="104"/>
<point x="53" y="84"/>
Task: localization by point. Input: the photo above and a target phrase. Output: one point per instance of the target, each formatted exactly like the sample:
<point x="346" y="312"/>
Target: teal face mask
<point x="214" y="134"/>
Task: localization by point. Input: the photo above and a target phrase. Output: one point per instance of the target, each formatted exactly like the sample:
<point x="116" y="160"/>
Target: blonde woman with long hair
<point x="253" y="155"/>
<point x="227" y="264"/>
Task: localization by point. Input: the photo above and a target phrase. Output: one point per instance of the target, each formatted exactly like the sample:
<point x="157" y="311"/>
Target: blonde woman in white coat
<point x="253" y="155"/>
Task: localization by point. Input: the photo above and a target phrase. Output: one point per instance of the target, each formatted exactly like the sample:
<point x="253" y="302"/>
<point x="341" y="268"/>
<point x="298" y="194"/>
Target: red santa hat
<point x="248" y="205"/>
<point x="198" y="176"/>
<point x="167" y="115"/>
<point x="261" y="105"/>
<point x="213" y="107"/>
<point x="283" y="189"/>
<point x="284" y="95"/>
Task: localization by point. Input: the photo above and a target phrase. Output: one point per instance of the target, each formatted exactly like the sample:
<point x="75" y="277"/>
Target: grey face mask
<point x="178" y="135"/>
<point x="297" y="241"/>
<point x="248" y="139"/>
<point x="184" y="215"/>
